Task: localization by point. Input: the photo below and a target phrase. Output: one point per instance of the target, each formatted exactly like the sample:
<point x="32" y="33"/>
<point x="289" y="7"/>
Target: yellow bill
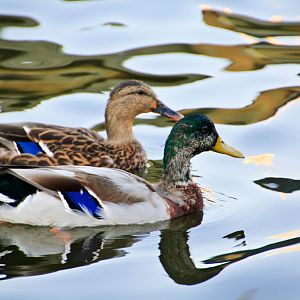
<point x="223" y="148"/>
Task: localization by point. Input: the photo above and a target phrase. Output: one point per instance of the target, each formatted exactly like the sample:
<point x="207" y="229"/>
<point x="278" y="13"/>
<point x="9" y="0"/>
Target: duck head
<point x="129" y="99"/>
<point x="190" y="136"/>
<point x="137" y="97"/>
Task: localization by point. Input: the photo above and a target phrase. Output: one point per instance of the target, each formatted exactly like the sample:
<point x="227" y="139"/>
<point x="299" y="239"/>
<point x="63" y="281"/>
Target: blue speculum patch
<point x="83" y="201"/>
<point x="29" y="147"/>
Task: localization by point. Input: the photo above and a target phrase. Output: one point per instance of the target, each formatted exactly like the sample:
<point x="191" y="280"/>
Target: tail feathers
<point x="5" y="199"/>
<point x="14" y="190"/>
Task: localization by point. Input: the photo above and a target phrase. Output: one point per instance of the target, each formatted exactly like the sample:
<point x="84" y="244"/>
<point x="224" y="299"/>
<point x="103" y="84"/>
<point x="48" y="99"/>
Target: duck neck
<point x="119" y="123"/>
<point x="177" y="167"/>
<point x="119" y="130"/>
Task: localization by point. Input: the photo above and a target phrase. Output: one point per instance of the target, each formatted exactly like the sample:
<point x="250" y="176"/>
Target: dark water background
<point x="236" y="61"/>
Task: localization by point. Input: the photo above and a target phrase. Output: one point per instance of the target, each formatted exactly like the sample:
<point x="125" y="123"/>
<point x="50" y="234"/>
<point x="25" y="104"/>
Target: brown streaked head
<point x="132" y="97"/>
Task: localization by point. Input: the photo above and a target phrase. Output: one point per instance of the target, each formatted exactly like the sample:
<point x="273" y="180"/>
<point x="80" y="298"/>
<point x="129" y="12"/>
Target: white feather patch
<point x="45" y="149"/>
<point x="5" y="199"/>
<point x="27" y="129"/>
<point x="16" y="148"/>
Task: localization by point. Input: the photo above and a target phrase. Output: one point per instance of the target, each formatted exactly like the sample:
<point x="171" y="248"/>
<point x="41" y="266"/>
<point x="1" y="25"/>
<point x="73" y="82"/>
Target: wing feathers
<point x="58" y="146"/>
<point x="107" y="185"/>
<point x="112" y="185"/>
<point x="13" y="132"/>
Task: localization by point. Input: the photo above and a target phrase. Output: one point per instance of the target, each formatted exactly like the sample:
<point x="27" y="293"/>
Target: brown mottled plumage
<point x="79" y="146"/>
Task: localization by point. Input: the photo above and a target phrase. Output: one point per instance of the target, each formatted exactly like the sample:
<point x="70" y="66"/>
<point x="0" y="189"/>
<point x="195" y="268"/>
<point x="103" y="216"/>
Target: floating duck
<point x="71" y="196"/>
<point x="32" y="144"/>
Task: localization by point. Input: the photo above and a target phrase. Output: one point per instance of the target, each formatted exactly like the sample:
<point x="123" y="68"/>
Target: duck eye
<point x="141" y="92"/>
<point x="205" y="129"/>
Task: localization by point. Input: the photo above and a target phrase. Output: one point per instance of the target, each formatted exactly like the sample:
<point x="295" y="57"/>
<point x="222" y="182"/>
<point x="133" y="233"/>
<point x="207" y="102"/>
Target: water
<point x="58" y="61"/>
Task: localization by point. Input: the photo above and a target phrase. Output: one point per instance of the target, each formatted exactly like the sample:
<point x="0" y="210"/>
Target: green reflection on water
<point x="154" y="174"/>
<point x="28" y="76"/>
<point x="16" y="21"/>
<point x="248" y="25"/>
<point x="245" y="57"/>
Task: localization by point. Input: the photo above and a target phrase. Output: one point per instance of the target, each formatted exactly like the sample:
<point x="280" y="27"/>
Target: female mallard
<point x="48" y="145"/>
<point x="70" y="196"/>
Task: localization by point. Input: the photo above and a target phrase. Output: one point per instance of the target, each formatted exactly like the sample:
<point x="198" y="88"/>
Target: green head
<point x="190" y="136"/>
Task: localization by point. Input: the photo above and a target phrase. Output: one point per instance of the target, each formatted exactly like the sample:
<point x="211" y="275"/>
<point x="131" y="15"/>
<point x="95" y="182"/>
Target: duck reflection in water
<point x="30" y="251"/>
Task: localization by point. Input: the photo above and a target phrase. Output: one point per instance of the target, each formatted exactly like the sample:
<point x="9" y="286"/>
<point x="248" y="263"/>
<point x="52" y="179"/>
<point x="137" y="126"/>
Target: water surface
<point x="236" y="62"/>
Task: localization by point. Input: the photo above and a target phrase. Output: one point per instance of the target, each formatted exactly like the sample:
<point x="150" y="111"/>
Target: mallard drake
<point x="49" y="145"/>
<point x="70" y="196"/>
